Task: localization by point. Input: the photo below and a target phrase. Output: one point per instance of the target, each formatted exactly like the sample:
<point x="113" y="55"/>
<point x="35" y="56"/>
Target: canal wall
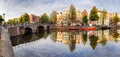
<point x="15" y="31"/>
<point x="6" y="49"/>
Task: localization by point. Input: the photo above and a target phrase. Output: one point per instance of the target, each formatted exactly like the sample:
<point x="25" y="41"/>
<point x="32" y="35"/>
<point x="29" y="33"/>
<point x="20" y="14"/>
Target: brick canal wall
<point x="14" y="31"/>
<point x="6" y="49"/>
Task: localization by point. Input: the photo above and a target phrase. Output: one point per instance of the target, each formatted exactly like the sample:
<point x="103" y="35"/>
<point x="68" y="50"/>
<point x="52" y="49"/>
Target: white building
<point x="100" y="20"/>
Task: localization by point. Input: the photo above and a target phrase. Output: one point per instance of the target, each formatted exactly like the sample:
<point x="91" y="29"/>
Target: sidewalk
<point x="1" y="44"/>
<point x="6" y="49"/>
<point x="1" y="48"/>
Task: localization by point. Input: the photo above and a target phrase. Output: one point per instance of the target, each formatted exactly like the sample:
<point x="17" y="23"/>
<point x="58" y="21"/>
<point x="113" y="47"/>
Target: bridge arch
<point x="28" y="30"/>
<point x="40" y="28"/>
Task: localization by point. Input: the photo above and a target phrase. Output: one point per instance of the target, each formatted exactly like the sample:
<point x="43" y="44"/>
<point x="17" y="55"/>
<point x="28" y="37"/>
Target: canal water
<point x="100" y="43"/>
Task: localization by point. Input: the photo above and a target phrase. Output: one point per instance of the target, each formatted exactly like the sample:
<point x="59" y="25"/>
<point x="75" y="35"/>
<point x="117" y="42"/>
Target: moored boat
<point x="73" y="28"/>
<point x="88" y="28"/>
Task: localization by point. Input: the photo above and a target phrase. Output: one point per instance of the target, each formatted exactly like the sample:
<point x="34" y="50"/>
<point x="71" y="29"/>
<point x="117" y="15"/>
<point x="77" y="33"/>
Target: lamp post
<point x="4" y="18"/>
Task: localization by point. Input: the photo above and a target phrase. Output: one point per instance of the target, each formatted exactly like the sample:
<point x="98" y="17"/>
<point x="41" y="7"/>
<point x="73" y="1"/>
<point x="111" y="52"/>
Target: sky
<point x="16" y="8"/>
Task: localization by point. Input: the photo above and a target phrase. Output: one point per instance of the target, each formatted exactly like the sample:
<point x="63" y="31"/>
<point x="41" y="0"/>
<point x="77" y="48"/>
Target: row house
<point x="111" y="15"/>
<point x="59" y="18"/>
<point x="63" y="18"/>
<point x="84" y="13"/>
<point x="66" y="18"/>
<point x="108" y="21"/>
<point x="34" y="18"/>
<point x="78" y="16"/>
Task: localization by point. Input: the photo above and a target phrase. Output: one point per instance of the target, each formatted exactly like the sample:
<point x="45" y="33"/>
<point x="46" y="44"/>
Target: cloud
<point x="15" y="8"/>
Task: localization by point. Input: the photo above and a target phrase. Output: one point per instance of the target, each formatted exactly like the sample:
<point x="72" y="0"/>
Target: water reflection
<point x="26" y="38"/>
<point x="72" y="38"/>
<point x="84" y="38"/>
<point x="56" y="42"/>
<point x="93" y="41"/>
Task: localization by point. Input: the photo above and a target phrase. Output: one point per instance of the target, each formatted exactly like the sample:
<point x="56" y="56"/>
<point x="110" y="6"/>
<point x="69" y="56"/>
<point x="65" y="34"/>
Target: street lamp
<point x="4" y="18"/>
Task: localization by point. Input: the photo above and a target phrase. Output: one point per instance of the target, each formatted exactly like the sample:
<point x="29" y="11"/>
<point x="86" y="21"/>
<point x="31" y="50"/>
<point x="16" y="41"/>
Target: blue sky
<point x="15" y="8"/>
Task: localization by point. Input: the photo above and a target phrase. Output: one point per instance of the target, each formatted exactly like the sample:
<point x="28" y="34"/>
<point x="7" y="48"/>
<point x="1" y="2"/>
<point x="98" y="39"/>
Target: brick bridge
<point x="20" y="29"/>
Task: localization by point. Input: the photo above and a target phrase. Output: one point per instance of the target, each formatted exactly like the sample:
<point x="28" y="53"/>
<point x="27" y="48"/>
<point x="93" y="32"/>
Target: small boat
<point x="88" y="28"/>
<point x="73" y="28"/>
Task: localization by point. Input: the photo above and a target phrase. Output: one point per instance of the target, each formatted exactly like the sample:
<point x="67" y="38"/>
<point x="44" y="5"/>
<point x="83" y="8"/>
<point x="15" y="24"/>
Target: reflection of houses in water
<point x="67" y="37"/>
<point x="95" y="38"/>
<point x="63" y="37"/>
<point x="107" y="35"/>
<point x="104" y="35"/>
<point x="115" y="34"/>
<point x="78" y="38"/>
<point x="119" y="35"/>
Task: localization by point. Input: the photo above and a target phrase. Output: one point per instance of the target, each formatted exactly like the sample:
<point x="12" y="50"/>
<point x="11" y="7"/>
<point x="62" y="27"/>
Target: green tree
<point x="9" y="21"/>
<point x="13" y="21"/>
<point x="72" y="11"/>
<point x="85" y="20"/>
<point x="93" y="14"/>
<point x="103" y="16"/>
<point x="16" y="21"/>
<point x="116" y="19"/>
<point x="53" y="17"/>
<point x="26" y="17"/>
<point x="21" y="20"/>
<point x="1" y="19"/>
<point x="45" y="18"/>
